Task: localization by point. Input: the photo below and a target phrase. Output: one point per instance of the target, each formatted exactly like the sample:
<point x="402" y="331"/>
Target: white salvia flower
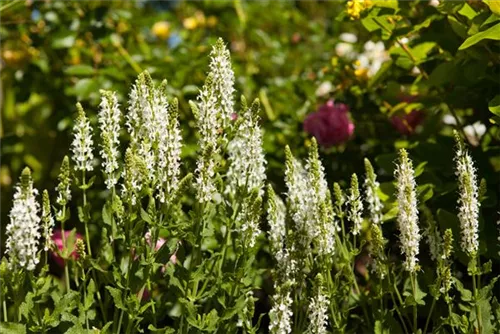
<point x="155" y="134"/>
<point x="408" y="212"/>
<point x="64" y="186"/>
<point x="248" y="218"/>
<point x="135" y="176"/>
<point x="247" y="164"/>
<point x="276" y="214"/>
<point x="169" y="150"/>
<point x="468" y="199"/>
<point x="223" y="78"/>
<point x="371" y="195"/>
<point x="299" y="200"/>
<point x="23" y="229"/>
<point x="320" y="201"/>
<point x="82" y="142"/>
<point x="355" y="206"/>
<point x="109" y="123"/>
<point x="281" y="312"/>
<point x="433" y="237"/>
<point x="318" y="318"/>
<point x="206" y="118"/>
<point x="48" y="221"/>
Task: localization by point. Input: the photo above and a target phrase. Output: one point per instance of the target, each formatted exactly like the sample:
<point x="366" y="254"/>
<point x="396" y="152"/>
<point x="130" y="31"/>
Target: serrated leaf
<point x="116" y="294"/>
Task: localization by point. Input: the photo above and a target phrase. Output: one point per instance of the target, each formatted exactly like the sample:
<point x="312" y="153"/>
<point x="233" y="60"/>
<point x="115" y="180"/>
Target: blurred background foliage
<point x="388" y="61"/>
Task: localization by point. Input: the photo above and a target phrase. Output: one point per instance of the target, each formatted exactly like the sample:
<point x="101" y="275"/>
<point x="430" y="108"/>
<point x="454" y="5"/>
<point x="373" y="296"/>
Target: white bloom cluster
<point x="281" y="313"/>
<point x="109" y="118"/>
<point x="155" y="135"/>
<point x="223" y="76"/>
<point x="355" y="206"/>
<point x="247" y="163"/>
<point x="372" y="58"/>
<point x="206" y="116"/>
<point x="299" y="199"/>
<point x="433" y="237"/>
<point x="468" y="202"/>
<point x="213" y="114"/>
<point x="318" y="318"/>
<point x="371" y="196"/>
<point x="135" y="175"/>
<point x="408" y="212"/>
<point x="248" y="219"/>
<point x="276" y="214"/>
<point x="309" y="202"/>
<point x="320" y="201"/>
<point x="23" y="229"/>
<point x="82" y="142"/>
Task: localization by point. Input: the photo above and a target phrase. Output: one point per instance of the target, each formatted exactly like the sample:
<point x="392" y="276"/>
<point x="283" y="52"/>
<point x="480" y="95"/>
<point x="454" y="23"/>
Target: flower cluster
<point x="109" y="123"/>
<point x="371" y="194"/>
<point x="408" y="211"/>
<point x="82" y="142"/>
<point x="468" y="198"/>
<point x="247" y="163"/>
<point x="23" y="229"/>
<point x="153" y="126"/>
<point x="355" y="206"/>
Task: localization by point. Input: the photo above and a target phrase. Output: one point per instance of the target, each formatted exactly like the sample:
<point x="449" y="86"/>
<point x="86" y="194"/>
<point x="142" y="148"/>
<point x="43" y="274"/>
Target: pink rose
<point x="407" y="123"/>
<point x="57" y="239"/>
<point x="330" y="125"/>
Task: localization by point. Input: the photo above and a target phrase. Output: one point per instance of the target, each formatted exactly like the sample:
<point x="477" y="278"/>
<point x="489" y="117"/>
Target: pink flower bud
<point x="58" y="241"/>
<point x="330" y="125"/>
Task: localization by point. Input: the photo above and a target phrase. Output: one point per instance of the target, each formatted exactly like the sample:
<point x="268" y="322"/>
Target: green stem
<point x="476" y="305"/>
<point x="415" y="309"/>
<point x="429" y="316"/>
<point x="120" y="321"/>
<point x="63" y="237"/>
<point x="87" y="237"/>
<point x="4" y="305"/>
<point x="396" y="307"/>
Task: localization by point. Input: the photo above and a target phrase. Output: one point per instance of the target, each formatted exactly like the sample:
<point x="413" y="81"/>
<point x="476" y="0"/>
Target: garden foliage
<point x="178" y="209"/>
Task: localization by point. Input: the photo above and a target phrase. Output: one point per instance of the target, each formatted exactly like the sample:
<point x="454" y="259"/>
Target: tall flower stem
<point x="413" y="278"/>
<point x="430" y="314"/>
<point x="63" y="236"/>
<point x="475" y="279"/>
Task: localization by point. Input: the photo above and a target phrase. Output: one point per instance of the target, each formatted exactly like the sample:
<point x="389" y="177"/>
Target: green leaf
<point x="116" y="294"/>
<point x="494" y="105"/>
<point x="79" y="70"/>
<point x="386" y="3"/>
<point x="466" y="295"/>
<point x="467" y="11"/>
<point x="12" y="328"/>
<point x="494" y="6"/>
<point x="490" y="33"/>
<point x="91" y="289"/>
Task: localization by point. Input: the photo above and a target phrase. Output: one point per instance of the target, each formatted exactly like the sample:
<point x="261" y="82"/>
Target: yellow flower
<point x="355" y="7"/>
<point x="190" y="23"/>
<point x="161" y="29"/>
<point x="211" y="21"/>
